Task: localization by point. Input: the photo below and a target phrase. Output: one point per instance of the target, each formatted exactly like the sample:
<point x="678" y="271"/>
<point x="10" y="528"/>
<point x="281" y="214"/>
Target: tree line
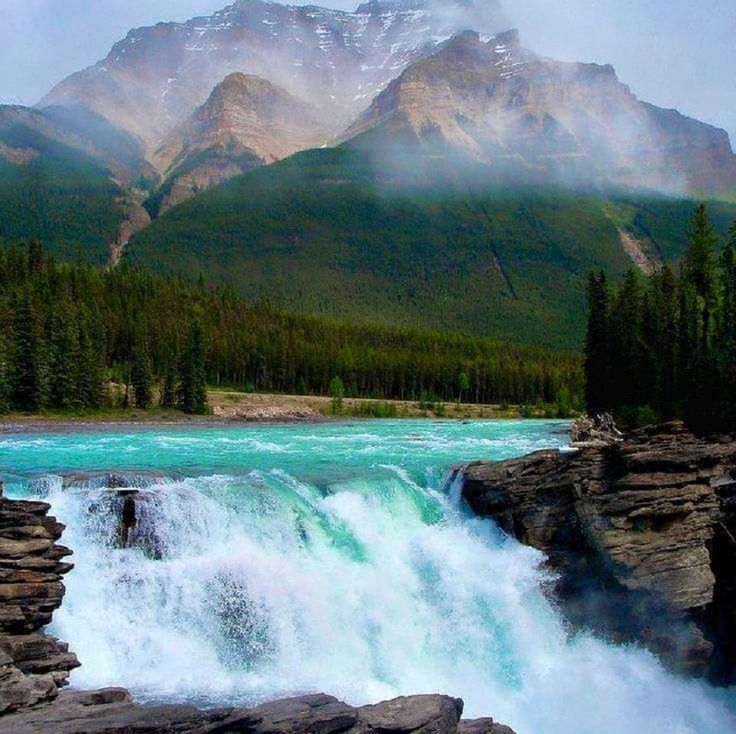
<point x="75" y="336"/>
<point x="665" y="347"/>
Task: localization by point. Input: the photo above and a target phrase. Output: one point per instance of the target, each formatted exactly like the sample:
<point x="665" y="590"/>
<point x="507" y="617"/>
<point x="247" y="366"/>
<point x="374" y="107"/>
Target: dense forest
<point x="331" y="232"/>
<point x="57" y="195"/>
<point x="666" y="347"/>
<point x="81" y="337"/>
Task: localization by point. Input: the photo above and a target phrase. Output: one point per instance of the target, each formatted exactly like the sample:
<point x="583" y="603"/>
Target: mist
<point x="673" y="53"/>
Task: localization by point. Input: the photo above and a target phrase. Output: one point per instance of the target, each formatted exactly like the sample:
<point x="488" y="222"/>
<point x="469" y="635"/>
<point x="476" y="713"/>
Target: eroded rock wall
<point x="642" y="532"/>
<point x="33" y="665"/>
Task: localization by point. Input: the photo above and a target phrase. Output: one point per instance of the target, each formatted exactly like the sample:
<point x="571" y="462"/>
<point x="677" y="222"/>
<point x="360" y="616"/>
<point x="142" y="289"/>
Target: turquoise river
<point x="336" y="557"/>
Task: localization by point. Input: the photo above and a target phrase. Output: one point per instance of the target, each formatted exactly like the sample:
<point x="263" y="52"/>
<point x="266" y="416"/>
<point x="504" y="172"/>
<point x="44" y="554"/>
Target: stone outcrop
<point x="33" y="665"/>
<point x="642" y="532"/>
<point x="112" y="711"/>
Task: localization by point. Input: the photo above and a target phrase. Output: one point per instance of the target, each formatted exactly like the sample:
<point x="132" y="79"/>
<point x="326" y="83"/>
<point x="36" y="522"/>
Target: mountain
<point x="497" y="103"/>
<point x="328" y="232"/>
<point x="154" y="79"/>
<point x="52" y="190"/>
<point x="245" y="123"/>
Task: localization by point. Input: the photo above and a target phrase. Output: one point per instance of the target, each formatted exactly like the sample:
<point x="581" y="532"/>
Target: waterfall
<point x="246" y="588"/>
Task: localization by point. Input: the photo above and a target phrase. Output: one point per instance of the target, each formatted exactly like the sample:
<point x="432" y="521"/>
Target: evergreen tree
<point x="26" y="371"/>
<point x="463" y="383"/>
<point x="660" y="337"/>
<point x="700" y="255"/>
<point x="626" y="356"/>
<point x="64" y="359"/>
<point x="4" y="384"/>
<point x="597" y="345"/>
<point x="337" y="393"/>
<point x="727" y="332"/>
<point x="141" y="373"/>
<point x="192" y="388"/>
<point x="169" y="387"/>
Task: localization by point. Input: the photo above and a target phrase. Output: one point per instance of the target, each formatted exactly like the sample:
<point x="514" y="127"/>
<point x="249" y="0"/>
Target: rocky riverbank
<point x="35" y="667"/>
<point x="642" y="533"/>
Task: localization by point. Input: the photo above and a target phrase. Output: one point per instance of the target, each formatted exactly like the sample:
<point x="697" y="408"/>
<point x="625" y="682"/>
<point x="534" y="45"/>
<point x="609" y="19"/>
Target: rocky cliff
<point x="245" y="123"/>
<point x="35" y="666"/>
<point x="642" y="533"/>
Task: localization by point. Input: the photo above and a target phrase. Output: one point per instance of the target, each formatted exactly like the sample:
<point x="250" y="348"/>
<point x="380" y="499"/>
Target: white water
<point x="268" y="586"/>
<point x="331" y="558"/>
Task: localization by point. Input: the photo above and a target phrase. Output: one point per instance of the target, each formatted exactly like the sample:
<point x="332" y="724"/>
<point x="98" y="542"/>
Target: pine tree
<point x="597" y="345"/>
<point x="26" y="371"/>
<point x="337" y="393"/>
<point x="64" y="359"/>
<point x="192" y="387"/>
<point x="4" y="384"/>
<point x="626" y="358"/>
<point x="141" y="373"/>
<point x="700" y="255"/>
<point x="463" y="383"/>
<point x="727" y="333"/>
<point x="169" y="387"/>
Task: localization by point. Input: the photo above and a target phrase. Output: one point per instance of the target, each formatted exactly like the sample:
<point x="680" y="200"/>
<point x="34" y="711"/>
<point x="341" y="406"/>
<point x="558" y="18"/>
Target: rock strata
<point x="642" y="532"/>
<point x="33" y="665"/>
<point x="113" y="711"/>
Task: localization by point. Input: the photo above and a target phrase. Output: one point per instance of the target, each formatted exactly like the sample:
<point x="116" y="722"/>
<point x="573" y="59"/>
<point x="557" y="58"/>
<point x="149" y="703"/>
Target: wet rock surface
<point x="113" y="710"/>
<point x="643" y="533"/>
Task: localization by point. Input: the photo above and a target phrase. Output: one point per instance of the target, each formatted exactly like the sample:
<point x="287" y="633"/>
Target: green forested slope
<point x="54" y="193"/>
<point x="329" y="232"/>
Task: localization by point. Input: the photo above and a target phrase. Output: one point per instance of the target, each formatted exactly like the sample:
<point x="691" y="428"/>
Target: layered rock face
<point x="112" y="711"/>
<point x="245" y="123"/>
<point x="501" y="105"/>
<point x="642" y="533"/>
<point x="33" y="665"/>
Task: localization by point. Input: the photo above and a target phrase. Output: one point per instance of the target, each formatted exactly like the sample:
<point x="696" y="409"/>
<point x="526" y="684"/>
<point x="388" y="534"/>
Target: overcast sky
<point x="674" y="53"/>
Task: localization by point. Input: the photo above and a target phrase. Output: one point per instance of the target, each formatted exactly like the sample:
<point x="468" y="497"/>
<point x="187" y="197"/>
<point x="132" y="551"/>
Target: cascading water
<point x="332" y="559"/>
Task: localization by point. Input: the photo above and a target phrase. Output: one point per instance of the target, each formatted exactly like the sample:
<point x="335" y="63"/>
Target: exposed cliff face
<point x="642" y="533"/>
<point x="246" y="122"/>
<point x="153" y="79"/>
<point x="33" y="665"/>
<point x="494" y="102"/>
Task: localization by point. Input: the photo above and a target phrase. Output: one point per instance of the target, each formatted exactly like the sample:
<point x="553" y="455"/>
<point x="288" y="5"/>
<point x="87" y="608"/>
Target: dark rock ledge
<point x="34" y="667"/>
<point x="642" y="533"/>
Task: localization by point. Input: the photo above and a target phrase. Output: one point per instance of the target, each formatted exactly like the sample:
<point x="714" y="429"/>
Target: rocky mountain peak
<point x="488" y="99"/>
<point x="246" y="122"/>
<point x="156" y="77"/>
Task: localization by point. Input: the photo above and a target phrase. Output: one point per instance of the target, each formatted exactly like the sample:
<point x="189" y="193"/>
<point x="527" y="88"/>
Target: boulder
<point x="642" y="533"/>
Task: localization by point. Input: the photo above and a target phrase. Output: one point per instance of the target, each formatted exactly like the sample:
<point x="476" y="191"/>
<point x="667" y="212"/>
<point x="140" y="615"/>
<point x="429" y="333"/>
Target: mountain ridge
<point x="246" y="122"/>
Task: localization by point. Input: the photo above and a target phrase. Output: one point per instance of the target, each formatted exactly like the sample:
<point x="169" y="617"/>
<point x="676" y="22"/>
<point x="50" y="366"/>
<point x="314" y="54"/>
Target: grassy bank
<point x="231" y="406"/>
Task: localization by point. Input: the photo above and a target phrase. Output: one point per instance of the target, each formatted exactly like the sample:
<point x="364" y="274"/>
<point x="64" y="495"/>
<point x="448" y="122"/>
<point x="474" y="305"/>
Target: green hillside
<point x="326" y="232"/>
<point x="56" y="194"/>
